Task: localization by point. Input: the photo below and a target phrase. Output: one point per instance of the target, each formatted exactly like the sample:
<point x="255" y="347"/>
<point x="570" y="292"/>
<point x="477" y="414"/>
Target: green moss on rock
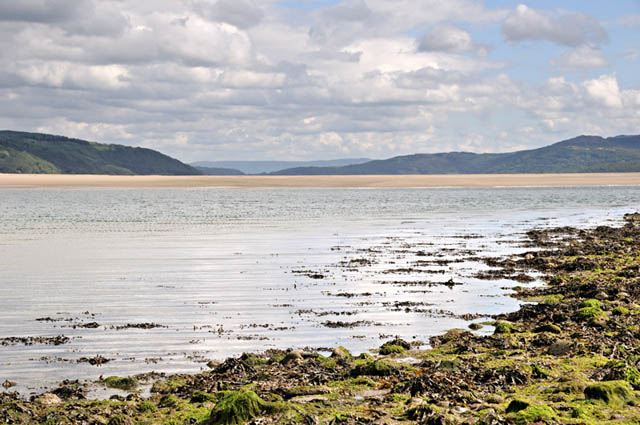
<point x="590" y="311"/>
<point x="375" y="368"/>
<point x="614" y="393"/>
<point x="505" y="328"/>
<point x="202" y="397"/>
<point x="534" y="414"/>
<point x="126" y="384"/>
<point x="168" y="400"/>
<point x="236" y="408"/>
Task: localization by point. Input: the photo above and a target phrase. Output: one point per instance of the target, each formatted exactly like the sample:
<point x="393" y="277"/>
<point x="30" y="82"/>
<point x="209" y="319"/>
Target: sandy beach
<point x="9" y="181"/>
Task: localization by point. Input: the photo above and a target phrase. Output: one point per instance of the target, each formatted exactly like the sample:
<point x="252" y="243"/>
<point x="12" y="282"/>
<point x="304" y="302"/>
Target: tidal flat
<point x="283" y="305"/>
<point x="567" y="356"/>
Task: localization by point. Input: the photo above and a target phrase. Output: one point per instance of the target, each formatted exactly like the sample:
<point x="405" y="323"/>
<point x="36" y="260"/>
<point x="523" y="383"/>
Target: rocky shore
<point x="570" y="356"/>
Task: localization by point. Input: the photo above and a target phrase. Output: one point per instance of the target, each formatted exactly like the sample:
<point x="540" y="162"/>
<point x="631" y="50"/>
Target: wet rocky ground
<point x="570" y="355"/>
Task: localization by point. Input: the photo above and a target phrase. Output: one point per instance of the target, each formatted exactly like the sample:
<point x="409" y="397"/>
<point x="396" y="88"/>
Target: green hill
<point x="583" y="154"/>
<point x="44" y="153"/>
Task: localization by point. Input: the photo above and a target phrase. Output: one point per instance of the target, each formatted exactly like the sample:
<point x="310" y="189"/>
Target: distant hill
<point x="44" y="153"/>
<point x="259" y="167"/>
<point x="583" y="154"/>
<point x="212" y="171"/>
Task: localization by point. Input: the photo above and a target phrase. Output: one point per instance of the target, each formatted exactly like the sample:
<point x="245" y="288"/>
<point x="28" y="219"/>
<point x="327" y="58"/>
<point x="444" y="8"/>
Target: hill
<point x="22" y="152"/>
<point x="214" y="171"/>
<point x="259" y="167"/>
<point x="583" y="154"/>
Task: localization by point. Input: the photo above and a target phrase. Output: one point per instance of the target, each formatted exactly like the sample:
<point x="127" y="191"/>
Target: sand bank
<point x="458" y="180"/>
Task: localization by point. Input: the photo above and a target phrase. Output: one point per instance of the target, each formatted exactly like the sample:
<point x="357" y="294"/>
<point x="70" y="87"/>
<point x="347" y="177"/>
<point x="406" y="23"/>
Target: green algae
<point x="590" y="311"/>
<point x="202" y="397"/>
<point x="168" y="400"/>
<point x="380" y="367"/>
<point x="613" y="393"/>
<point x="236" y="408"/>
<point x="125" y="384"/>
<point x="505" y="328"/>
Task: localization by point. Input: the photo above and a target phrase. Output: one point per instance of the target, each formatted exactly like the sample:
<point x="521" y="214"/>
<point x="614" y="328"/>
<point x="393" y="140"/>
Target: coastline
<point x="28" y="181"/>
<point x="568" y="357"/>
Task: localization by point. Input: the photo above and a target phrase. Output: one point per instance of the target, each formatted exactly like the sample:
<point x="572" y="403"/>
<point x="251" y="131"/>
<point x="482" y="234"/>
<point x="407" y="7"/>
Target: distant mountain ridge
<point x="584" y="154"/>
<point x="22" y="152"/>
<point x="260" y="167"/>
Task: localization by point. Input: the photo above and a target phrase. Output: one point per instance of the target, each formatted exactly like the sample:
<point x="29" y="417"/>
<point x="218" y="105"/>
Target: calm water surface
<point x="224" y="271"/>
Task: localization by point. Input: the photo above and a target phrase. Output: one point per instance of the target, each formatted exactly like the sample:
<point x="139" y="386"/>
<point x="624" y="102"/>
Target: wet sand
<point x="8" y="181"/>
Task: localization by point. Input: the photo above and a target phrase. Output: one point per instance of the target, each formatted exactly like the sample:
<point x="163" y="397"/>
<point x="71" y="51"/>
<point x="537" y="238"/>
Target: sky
<point x="305" y="79"/>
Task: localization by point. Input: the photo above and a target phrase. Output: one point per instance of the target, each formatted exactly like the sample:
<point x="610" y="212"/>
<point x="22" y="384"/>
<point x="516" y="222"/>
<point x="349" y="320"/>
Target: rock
<point x="601" y="296"/>
<point x="49" y="399"/>
<point x="560" y="348"/>
<point x="517" y="405"/>
<point x="554" y="329"/>
<point x="212" y="364"/>
<point x="8" y="384"/>
<point x="503" y="327"/>
<point x="495" y="399"/>
<point x="614" y="393"/>
<point x="622" y="295"/>
<point x="341" y="353"/>
<point x="475" y="326"/>
<point x="293" y="356"/>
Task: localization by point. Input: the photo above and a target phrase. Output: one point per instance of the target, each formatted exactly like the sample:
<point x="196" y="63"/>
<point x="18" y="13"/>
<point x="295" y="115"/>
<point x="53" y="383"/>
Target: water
<point x="224" y="271"/>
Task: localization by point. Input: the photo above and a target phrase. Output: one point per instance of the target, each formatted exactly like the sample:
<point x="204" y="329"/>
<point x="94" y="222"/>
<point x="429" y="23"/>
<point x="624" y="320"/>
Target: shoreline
<point x="568" y="357"/>
<point x="34" y="181"/>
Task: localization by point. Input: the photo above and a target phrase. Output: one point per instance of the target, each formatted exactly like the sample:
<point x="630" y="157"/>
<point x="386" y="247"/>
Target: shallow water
<point x="224" y="271"/>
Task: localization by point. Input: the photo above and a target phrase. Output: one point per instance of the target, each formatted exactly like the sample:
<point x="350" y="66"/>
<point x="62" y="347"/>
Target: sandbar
<point x="13" y="181"/>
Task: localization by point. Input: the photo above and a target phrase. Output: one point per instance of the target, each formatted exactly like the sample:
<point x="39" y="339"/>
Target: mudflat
<point x="8" y="181"/>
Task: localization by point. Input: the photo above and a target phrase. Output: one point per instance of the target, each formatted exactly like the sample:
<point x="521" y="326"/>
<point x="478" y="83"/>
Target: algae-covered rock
<point x="560" y="348"/>
<point x="590" y="311"/>
<point x="551" y="328"/>
<point x="341" y="353"/>
<point x="120" y="420"/>
<point x="505" y="328"/>
<point x="429" y="414"/>
<point x="396" y="346"/>
<point x="168" y="400"/>
<point x="126" y="384"/>
<point x="614" y="393"/>
<point x="147" y="406"/>
<point x="620" y="311"/>
<point x="517" y="405"/>
<point x="475" y="326"/>
<point x="375" y="368"/>
<point x="533" y="414"/>
<point x="236" y="408"/>
<point x="621" y="370"/>
<point x="202" y="397"/>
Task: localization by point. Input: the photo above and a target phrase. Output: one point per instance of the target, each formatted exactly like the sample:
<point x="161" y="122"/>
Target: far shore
<point x="16" y="181"/>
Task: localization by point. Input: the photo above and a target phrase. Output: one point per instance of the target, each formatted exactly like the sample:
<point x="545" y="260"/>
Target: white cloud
<point x="74" y="76"/>
<point x="568" y="29"/>
<point x="605" y="90"/>
<point x="581" y="57"/>
<point x="254" y="79"/>
<point x="449" y="38"/>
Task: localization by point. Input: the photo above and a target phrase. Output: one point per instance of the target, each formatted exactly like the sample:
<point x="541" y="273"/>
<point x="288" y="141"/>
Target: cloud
<point x="630" y="21"/>
<point x="43" y="11"/>
<point x="567" y="29"/>
<point x="255" y="79"/>
<point x="605" y="90"/>
<point x="240" y="13"/>
<point x="449" y="38"/>
<point x="580" y="58"/>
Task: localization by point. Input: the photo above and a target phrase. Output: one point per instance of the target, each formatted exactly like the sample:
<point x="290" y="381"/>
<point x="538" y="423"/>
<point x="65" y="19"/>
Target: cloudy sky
<point x="266" y="79"/>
